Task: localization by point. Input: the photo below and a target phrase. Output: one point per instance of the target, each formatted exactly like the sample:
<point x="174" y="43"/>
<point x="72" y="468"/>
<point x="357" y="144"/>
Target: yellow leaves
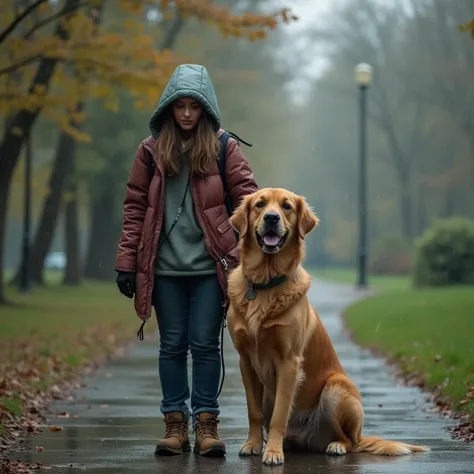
<point x="249" y="25"/>
<point x="131" y="26"/>
<point x="112" y="105"/>
<point x="257" y="35"/>
<point x="45" y="8"/>
<point x="133" y="7"/>
<point x="80" y="26"/>
<point x="96" y="60"/>
<point x="77" y="134"/>
<point x="6" y="13"/>
<point x="468" y="28"/>
<point x="140" y="104"/>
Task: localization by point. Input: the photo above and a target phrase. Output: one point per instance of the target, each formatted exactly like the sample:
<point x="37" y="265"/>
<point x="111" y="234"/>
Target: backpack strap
<point x="224" y="138"/>
<point x="221" y="163"/>
<point x="151" y="167"/>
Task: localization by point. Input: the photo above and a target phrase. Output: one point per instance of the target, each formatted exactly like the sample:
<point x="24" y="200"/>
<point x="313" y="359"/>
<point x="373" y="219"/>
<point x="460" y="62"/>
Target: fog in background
<point x="294" y="97"/>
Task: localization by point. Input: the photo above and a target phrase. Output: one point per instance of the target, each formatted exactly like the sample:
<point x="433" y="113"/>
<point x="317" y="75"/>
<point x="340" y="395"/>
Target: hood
<point x="187" y="80"/>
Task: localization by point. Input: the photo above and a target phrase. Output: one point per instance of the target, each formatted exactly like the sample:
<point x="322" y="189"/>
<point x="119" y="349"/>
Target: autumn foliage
<point x="120" y="49"/>
<point x="468" y="27"/>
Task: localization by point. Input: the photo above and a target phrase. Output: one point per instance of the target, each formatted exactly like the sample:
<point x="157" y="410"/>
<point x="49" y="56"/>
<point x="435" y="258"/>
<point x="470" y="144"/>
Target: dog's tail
<point x="386" y="448"/>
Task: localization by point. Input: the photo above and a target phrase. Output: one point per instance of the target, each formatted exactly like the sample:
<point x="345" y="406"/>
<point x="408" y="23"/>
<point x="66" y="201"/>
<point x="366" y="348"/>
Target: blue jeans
<point x="190" y="313"/>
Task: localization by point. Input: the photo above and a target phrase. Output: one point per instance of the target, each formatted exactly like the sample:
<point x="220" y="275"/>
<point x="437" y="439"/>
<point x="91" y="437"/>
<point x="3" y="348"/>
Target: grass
<point x="428" y="332"/>
<point x="380" y="283"/>
<point x="13" y="405"/>
<point x="52" y="331"/>
<point x="53" y="312"/>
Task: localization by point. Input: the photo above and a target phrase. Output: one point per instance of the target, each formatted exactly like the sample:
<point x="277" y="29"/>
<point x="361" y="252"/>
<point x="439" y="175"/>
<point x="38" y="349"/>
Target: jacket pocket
<point x="224" y="227"/>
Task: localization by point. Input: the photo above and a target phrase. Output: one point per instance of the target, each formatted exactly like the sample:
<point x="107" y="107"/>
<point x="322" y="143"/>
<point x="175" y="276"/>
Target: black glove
<point x="126" y="283"/>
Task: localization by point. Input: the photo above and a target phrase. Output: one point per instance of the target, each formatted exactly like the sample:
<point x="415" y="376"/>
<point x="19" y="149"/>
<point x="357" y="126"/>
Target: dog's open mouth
<point x="271" y="242"/>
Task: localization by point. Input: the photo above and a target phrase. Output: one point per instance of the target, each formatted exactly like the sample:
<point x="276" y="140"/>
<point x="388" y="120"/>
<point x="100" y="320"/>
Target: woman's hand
<point x="126" y="283"/>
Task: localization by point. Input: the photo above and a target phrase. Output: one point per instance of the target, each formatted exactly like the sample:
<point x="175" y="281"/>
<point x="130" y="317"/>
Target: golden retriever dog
<point x="295" y="386"/>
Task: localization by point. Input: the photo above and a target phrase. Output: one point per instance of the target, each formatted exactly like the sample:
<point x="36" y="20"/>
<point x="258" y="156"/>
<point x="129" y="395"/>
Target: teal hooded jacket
<point x="188" y="80"/>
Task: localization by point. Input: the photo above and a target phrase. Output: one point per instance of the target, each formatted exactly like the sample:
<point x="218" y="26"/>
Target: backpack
<point x="220" y="162"/>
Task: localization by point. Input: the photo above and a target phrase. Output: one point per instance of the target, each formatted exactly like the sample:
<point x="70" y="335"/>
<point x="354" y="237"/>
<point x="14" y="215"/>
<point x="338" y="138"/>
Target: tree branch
<point x="15" y="66"/>
<point x="9" y="29"/>
<point x="172" y="32"/>
<point x="51" y="18"/>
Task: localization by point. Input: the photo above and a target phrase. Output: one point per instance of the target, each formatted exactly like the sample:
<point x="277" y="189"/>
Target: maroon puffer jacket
<point x="143" y="217"/>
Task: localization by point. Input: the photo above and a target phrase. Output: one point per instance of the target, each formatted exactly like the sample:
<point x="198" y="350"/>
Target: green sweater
<point x="184" y="252"/>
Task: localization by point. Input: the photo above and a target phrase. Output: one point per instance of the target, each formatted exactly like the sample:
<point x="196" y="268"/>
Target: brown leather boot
<point x="207" y="441"/>
<point x="176" y="439"/>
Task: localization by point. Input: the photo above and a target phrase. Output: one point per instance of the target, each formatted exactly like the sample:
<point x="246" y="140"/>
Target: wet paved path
<point x="118" y="419"/>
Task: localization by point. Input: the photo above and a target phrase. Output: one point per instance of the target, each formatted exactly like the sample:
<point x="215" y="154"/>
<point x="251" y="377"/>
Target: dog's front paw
<point x="250" y="448"/>
<point x="273" y="457"/>
<point x="336" y="449"/>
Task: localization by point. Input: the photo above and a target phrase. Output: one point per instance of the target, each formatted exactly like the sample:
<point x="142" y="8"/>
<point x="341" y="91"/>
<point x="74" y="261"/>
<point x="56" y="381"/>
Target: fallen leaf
<point x="39" y="449"/>
<point x="54" y="428"/>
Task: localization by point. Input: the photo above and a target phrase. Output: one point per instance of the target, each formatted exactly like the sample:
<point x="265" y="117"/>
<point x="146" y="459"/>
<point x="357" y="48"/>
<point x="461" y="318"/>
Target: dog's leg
<point x="343" y="409"/>
<point x="287" y="372"/>
<point x="254" y="393"/>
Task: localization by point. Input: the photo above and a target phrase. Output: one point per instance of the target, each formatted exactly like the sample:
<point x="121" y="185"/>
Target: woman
<point x="176" y="247"/>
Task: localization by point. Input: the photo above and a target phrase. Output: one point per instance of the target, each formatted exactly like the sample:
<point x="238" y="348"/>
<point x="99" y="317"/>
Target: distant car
<point x="55" y="261"/>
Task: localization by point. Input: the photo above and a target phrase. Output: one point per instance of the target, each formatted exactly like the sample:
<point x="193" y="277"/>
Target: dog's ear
<point x="240" y="218"/>
<point x="307" y="219"/>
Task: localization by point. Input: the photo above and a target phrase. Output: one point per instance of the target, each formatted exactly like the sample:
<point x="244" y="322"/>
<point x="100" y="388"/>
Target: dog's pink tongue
<point x="271" y="240"/>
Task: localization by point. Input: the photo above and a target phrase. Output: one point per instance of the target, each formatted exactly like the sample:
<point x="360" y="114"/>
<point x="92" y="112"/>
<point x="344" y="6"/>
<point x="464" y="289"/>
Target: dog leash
<point x="223" y="325"/>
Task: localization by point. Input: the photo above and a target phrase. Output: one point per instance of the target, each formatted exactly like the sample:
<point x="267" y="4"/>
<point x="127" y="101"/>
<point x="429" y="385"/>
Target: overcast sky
<point x="309" y="12"/>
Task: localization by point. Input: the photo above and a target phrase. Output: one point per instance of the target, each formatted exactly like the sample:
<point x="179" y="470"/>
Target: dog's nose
<point x="271" y="217"/>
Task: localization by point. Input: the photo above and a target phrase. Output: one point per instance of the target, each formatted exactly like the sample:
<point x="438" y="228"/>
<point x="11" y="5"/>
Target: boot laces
<point x="175" y="428"/>
<point x="208" y="428"/>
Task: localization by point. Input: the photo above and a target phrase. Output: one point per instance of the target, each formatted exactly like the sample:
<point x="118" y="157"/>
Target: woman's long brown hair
<point x="202" y="147"/>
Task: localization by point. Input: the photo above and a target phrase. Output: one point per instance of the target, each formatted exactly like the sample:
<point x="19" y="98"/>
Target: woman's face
<point x="186" y="112"/>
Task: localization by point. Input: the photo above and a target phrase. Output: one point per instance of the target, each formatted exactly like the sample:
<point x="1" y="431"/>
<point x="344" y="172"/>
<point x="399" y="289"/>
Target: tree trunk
<point x="51" y="207"/>
<point x="422" y="218"/>
<point x="52" y="203"/>
<point x="72" y="274"/>
<point x="23" y="121"/>
<point x="406" y="214"/>
<point x="104" y="234"/>
<point x="4" y="193"/>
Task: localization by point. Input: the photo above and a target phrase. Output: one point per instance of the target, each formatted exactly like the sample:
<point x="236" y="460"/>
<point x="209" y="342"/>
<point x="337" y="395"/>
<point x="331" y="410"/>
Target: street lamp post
<point x="24" y="281"/>
<point x="363" y="77"/>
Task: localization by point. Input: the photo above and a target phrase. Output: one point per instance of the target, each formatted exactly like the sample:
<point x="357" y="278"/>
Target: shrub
<point x="392" y="256"/>
<point x="445" y="254"/>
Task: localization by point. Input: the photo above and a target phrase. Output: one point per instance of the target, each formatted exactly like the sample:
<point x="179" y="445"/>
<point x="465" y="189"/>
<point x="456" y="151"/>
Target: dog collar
<point x="272" y="283"/>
